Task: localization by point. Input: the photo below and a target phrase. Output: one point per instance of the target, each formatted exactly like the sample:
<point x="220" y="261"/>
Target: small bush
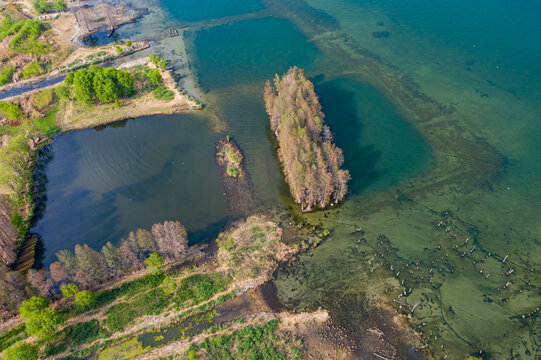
<point x="6" y="74"/>
<point x="32" y="69"/>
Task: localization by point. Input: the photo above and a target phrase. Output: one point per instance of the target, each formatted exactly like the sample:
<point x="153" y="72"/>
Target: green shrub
<point x="154" y="76"/>
<point x="60" y="5"/>
<point x="6" y="74"/>
<point x="154" y="262"/>
<point x="13" y="112"/>
<point x="85" y="299"/>
<point x="9" y="27"/>
<point x="32" y="69"/>
<point x="41" y="6"/>
<point x="18" y="222"/>
<point x="163" y="93"/>
<point x="105" y="85"/>
<point x="62" y="91"/>
<point x="198" y="288"/>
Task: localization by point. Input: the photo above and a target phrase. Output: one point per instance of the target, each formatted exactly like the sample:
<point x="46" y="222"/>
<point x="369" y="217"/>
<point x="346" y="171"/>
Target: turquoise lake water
<point x="439" y="122"/>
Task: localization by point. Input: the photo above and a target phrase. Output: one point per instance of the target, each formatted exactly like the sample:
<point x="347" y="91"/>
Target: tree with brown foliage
<point x="58" y="273"/>
<point x="128" y="250"/>
<point x="311" y="162"/>
<point x="172" y="240"/>
<point x="42" y="281"/>
<point x="12" y="292"/>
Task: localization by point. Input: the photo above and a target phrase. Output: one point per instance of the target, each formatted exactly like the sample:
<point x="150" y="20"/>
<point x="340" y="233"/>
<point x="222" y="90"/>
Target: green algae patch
<point x="125" y="350"/>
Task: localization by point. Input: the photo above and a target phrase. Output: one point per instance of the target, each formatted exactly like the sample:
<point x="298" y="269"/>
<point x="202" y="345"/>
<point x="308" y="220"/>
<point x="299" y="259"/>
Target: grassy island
<point x="238" y="188"/>
<point x="311" y="162"/>
<point x="228" y="155"/>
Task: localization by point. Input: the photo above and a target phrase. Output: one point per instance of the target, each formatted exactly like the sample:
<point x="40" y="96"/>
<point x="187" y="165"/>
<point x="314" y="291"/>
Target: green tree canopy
<point x="83" y="86"/>
<point x="40" y="320"/>
<point x="69" y="290"/>
<point x="105" y="88"/>
<point x="21" y="351"/>
<point x="85" y="299"/>
<point x="154" y="76"/>
<point x="128" y="43"/>
<point x="154" y="263"/>
<point x="105" y="85"/>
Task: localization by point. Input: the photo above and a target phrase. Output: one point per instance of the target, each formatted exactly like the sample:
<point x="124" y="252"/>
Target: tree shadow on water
<point x="346" y="125"/>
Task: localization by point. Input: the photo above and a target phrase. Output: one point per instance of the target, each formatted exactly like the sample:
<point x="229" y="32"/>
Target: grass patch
<point x="44" y="98"/>
<point x="48" y="126"/>
<point x="250" y="342"/>
<point x="76" y="335"/>
<point x="191" y="291"/>
<point x="25" y="40"/>
<point x="198" y="288"/>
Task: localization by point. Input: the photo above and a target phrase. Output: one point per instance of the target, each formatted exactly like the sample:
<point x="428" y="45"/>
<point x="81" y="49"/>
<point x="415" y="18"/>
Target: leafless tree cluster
<point x="89" y="268"/>
<point x="311" y="162"/>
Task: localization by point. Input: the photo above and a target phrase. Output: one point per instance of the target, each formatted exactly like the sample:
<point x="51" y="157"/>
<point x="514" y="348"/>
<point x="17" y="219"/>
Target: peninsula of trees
<point x="311" y="162"/>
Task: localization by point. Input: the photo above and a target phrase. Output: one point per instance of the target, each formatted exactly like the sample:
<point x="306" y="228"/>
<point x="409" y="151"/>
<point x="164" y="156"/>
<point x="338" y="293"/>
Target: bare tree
<point x="172" y="240"/>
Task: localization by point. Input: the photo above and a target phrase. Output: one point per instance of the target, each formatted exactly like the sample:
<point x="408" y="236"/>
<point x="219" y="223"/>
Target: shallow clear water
<point x="439" y="123"/>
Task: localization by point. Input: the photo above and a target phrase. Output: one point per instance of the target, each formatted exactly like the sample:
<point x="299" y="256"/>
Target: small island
<point x="311" y="162"/>
<point x="229" y="156"/>
<point x="238" y="188"/>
